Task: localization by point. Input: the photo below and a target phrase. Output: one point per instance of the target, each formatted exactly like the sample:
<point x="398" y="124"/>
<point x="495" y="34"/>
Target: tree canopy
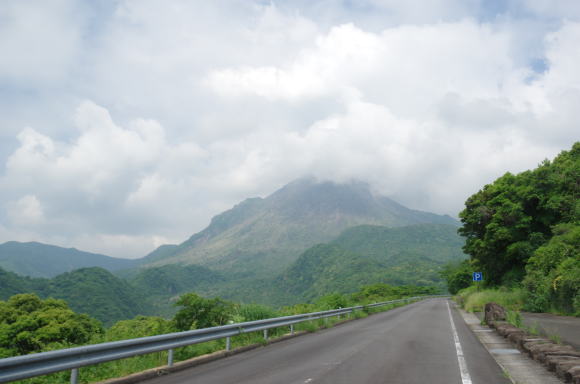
<point x="30" y="324"/>
<point x="525" y="226"/>
<point x="199" y="312"/>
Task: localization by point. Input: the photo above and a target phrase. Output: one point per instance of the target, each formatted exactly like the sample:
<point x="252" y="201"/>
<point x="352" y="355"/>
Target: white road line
<point x="465" y="378"/>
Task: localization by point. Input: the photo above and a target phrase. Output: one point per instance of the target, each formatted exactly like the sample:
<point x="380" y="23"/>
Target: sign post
<point x="477" y="278"/>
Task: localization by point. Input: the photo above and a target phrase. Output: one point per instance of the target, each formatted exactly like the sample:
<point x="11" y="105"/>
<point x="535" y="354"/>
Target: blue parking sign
<point x="477" y="276"/>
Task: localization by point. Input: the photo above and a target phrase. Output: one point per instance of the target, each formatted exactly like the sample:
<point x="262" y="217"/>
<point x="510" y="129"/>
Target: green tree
<point x="553" y="278"/>
<point x="29" y="324"/>
<point x="506" y="221"/>
<point x="458" y="275"/>
<point x="140" y="326"/>
<point x="198" y="312"/>
<point x="332" y="301"/>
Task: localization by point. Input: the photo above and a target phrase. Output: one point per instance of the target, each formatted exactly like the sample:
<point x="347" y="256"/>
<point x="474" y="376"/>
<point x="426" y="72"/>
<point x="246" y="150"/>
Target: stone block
<point x="493" y="312"/>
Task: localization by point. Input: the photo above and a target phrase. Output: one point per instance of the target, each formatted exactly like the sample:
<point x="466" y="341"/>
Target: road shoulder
<point x="519" y="368"/>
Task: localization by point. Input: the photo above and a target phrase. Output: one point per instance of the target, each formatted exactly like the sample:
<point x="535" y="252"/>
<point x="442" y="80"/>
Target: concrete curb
<point x="519" y="368"/>
<point x="561" y="359"/>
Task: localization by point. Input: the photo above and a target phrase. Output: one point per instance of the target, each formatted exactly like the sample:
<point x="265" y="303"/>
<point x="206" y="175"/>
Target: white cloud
<point x="26" y="212"/>
<point x="195" y="106"/>
<point x="39" y="40"/>
<point x="407" y="68"/>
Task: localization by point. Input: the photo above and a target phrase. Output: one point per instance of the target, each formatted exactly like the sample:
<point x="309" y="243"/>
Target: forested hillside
<point x="412" y="255"/>
<point x="525" y="229"/>
<point x="374" y="254"/>
<point x="93" y="291"/>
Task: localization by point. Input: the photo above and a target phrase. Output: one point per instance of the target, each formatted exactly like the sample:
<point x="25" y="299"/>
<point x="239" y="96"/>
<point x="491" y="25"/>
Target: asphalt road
<point x="411" y="344"/>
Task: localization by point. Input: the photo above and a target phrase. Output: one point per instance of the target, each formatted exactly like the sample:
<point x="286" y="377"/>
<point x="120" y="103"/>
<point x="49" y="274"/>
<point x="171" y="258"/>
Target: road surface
<point x="411" y="344"/>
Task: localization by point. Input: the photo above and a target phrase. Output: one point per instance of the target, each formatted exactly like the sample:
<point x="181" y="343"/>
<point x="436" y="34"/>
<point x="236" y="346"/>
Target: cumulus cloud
<point x="26" y="211"/>
<point x="150" y="118"/>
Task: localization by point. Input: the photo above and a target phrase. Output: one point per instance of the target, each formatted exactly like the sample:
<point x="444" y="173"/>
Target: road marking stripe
<point x="465" y="378"/>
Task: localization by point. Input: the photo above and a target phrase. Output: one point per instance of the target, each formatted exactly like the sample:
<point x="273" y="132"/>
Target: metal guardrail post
<point x="265" y="334"/>
<point x="170" y="358"/>
<point x="74" y="376"/>
<point x="228" y="343"/>
<point x="291" y="329"/>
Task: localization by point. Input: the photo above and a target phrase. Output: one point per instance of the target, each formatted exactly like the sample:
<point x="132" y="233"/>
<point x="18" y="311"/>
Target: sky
<point x="128" y="124"/>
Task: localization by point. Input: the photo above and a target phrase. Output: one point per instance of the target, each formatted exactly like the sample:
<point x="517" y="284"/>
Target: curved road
<point x="411" y="344"/>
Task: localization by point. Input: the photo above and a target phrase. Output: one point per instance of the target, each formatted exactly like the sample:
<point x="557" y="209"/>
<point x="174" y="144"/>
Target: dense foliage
<point x="525" y="228"/>
<point x="29" y="324"/>
<point x="198" y="312"/>
<point x="553" y="272"/>
<point x="458" y="275"/>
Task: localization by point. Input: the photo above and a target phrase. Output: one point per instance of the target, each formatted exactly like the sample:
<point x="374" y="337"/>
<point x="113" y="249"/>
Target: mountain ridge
<point x="37" y="259"/>
<point x="261" y="236"/>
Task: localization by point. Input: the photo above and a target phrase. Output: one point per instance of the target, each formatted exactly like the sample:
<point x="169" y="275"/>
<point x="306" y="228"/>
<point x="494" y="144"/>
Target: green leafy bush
<point x="29" y="324"/>
<point x="458" y="275"/>
<point x="332" y="301"/>
<point x="553" y="278"/>
<point x="140" y="326"/>
<point x="199" y="312"/>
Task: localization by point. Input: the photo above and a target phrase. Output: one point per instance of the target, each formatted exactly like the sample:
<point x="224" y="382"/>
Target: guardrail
<point x="38" y="364"/>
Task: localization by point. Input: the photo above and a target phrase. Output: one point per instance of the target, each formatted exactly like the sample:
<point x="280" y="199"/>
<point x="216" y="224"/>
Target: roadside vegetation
<point x="523" y="232"/>
<point x="473" y="300"/>
<point x="29" y="324"/>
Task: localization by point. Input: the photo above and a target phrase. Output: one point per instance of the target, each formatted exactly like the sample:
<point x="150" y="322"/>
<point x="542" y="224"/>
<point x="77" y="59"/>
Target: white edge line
<point x="465" y="377"/>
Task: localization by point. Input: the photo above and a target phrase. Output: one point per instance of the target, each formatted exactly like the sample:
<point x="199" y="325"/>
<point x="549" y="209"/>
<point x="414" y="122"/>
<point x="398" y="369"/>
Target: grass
<point x="514" y="318"/>
<point x="555" y="338"/>
<point x="473" y="300"/>
<point x="512" y="300"/>
<point x="534" y="329"/>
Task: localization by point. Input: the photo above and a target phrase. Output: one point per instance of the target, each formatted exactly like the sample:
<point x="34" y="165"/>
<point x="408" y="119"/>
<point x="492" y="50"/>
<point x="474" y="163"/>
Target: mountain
<point x="362" y="255"/>
<point x="373" y="254"/>
<point x="42" y="260"/>
<point x="94" y="291"/>
<point x="162" y="252"/>
<point x="439" y="242"/>
<point x="261" y="237"/>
